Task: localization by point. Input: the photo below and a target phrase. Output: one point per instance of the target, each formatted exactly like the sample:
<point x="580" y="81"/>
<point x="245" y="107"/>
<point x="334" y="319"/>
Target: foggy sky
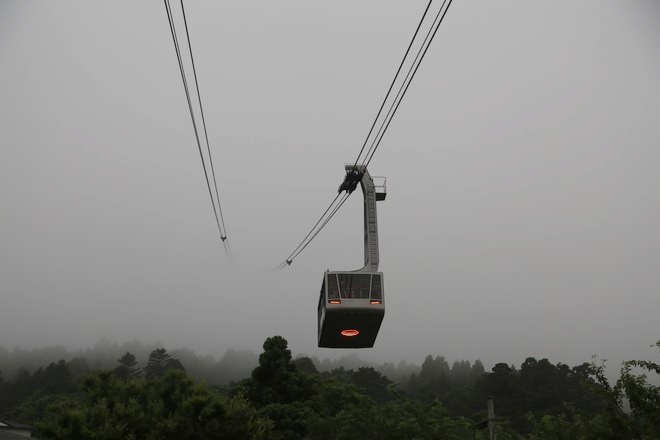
<point x="522" y="217"/>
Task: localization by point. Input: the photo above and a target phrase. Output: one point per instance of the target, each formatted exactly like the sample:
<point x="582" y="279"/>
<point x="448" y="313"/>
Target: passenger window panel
<point x="354" y="286"/>
<point x="333" y="289"/>
<point x="376" y="287"/>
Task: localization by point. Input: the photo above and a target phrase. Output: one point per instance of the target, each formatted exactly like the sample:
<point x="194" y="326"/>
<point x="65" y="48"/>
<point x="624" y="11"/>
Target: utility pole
<point x="491" y="419"/>
<point x="489" y="423"/>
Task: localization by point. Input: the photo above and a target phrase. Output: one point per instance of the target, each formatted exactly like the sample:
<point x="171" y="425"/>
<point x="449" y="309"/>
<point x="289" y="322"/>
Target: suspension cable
<point x="404" y="86"/>
<point x="289" y="259"/>
<point x="344" y="198"/>
<point x="349" y="184"/>
<point x="192" y="117"/>
<point x="392" y="85"/>
<point x="206" y="134"/>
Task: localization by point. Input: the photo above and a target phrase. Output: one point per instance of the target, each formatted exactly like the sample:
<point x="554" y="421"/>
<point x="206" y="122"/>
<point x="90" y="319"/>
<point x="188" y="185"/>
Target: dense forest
<point x="105" y="393"/>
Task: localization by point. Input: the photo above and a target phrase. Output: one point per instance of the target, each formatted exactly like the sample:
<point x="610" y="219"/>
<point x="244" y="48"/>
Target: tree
<point x="373" y="384"/>
<point x="503" y="384"/>
<point x="79" y="368"/>
<point x="643" y="397"/>
<point x="127" y="368"/>
<point x="628" y="409"/>
<point x="477" y="371"/>
<point x="4" y="391"/>
<point x="276" y="379"/>
<point x="643" y="419"/>
<point x="159" y="362"/>
<point x="167" y="407"/>
<point x="392" y="421"/>
<point x="306" y="365"/>
<point x="433" y="382"/>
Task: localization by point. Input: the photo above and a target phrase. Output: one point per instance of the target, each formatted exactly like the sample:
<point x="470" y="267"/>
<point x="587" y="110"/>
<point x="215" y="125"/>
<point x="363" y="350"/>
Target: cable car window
<point x="354" y="286"/>
<point x="333" y="289"/>
<point x="376" y="287"/>
<point x="322" y="290"/>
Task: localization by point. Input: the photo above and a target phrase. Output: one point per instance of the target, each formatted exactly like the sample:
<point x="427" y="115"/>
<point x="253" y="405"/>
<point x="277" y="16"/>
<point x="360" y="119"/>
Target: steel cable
<point x="406" y="83"/>
<point x="384" y="125"/>
<point x="393" y="81"/>
<point x="289" y="259"/>
<point x="201" y="109"/>
<point x="192" y="117"/>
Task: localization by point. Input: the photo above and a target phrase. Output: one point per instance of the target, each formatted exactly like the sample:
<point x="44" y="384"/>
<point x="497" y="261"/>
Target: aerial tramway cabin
<point x="352" y="304"/>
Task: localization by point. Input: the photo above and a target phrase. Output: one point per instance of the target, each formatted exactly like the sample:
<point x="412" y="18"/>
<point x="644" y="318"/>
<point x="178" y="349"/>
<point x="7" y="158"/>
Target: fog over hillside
<point x="522" y="216"/>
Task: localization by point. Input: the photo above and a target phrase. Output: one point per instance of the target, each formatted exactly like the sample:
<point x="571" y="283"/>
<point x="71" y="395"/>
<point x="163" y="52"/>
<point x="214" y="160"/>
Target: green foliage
<point x="630" y="408"/>
<point x="28" y="394"/>
<point x="168" y="407"/>
<point x="160" y="361"/>
<point x="276" y="379"/>
<point x="563" y="427"/>
<point x="407" y="420"/>
<point x="306" y="365"/>
<point x="291" y="421"/>
<point x="540" y="388"/>
<point x="373" y="384"/>
<point x="127" y="368"/>
<point x="454" y="387"/>
<point x="643" y="397"/>
<point x="286" y="399"/>
<point x="343" y="404"/>
<point x="642" y="421"/>
<point x="332" y="396"/>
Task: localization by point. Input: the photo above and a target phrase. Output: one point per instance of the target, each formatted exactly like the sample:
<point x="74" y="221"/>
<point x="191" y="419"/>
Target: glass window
<point x="376" y="287"/>
<point x="323" y="283"/>
<point x="333" y="289"/>
<point x="354" y="286"/>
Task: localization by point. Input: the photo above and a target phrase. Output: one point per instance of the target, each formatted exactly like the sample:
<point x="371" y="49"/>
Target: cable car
<point x="352" y="304"/>
<point x="351" y="309"/>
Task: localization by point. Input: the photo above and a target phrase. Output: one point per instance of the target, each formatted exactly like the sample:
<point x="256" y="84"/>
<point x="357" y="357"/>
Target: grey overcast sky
<point x="523" y="216"/>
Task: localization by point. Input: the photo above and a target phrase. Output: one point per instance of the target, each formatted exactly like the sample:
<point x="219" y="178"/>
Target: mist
<point x="522" y="215"/>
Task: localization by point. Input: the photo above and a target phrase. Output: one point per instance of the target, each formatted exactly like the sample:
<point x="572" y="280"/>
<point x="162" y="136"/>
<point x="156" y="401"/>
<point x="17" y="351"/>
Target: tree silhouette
<point x="127" y="368"/>
<point x="276" y="379"/>
<point x="159" y="362"/>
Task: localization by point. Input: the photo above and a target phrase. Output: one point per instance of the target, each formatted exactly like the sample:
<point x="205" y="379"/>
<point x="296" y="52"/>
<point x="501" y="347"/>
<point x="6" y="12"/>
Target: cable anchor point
<point x="351" y="181"/>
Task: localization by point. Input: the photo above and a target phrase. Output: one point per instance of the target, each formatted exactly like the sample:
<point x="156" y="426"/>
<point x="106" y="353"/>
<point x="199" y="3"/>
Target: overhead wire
<point x="289" y="259"/>
<point x="325" y="222"/>
<point x="387" y="95"/>
<point x="407" y="82"/>
<point x="384" y="125"/>
<point x="175" y="40"/>
<point x="206" y="134"/>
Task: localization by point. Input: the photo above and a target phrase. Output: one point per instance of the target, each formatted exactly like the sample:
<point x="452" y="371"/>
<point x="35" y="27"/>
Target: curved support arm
<point x="371" y="256"/>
